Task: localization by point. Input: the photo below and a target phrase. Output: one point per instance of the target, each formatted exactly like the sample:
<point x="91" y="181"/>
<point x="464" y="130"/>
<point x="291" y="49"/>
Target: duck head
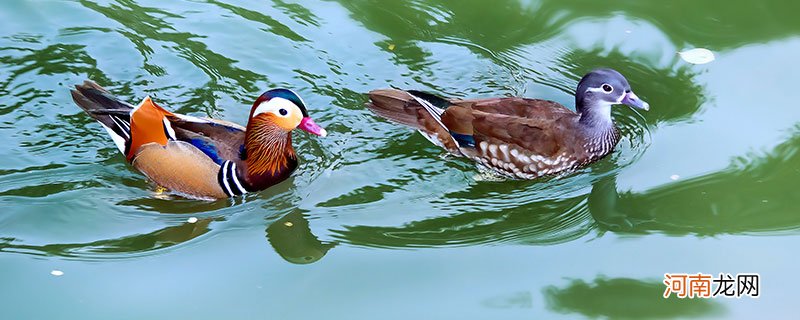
<point x="285" y="109"/>
<point x="600" y="89"/>
<point x="268" y="140"/>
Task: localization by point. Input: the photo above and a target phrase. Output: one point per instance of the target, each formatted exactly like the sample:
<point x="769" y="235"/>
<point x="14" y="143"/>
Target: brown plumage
<point x="198" y="157"/>
<point x="518" y="137"/>
<point x="270" y="149"/>
<point x="179" y="167"/>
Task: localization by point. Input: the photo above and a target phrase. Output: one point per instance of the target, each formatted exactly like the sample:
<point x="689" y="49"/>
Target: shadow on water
<point x="542" y="223"/>
<point x="292" y="239"/>
<point x="290" y="236"/>
<point x="123" y="247"/>
<point x="701" y="24"/>
<point x="624" y="298"/>
<point x="750" y="197"/>
<point x="744" y="199"/>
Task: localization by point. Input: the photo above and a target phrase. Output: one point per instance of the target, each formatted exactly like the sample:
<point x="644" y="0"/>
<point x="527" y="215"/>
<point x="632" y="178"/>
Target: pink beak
<point x="308" y="125"/>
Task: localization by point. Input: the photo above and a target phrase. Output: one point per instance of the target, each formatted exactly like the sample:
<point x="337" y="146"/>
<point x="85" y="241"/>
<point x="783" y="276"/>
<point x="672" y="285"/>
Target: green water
<point x="377" y="223"/>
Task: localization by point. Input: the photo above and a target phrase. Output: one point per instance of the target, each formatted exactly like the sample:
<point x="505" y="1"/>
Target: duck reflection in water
<point x="625" y="298"/>
<point x="292" y="239"/>
<point x="290" y="236"/>
<point x="138" y="243"/>
<point x="748" y="197"/>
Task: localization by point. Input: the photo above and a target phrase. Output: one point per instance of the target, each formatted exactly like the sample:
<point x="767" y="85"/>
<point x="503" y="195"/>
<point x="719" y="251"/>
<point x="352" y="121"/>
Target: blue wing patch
<point x="464" y="140"/>
<point x="208" y="148"/>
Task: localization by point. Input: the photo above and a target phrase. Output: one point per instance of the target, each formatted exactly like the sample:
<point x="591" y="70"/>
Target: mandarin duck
<point x="199" y="157"/>
<point x="517" y="137"/>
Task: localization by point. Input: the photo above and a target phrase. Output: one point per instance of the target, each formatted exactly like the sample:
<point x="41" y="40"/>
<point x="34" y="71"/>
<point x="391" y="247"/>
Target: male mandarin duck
<point x="517" y="137"/>
<point x="198" y="157"/>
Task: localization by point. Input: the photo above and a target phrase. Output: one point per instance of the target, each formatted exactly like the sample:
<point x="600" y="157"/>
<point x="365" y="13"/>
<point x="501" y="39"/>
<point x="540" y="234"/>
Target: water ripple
<point x="370" y="183"/>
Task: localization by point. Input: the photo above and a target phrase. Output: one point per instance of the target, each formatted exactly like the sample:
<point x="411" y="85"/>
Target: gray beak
<point x="632" y="100"/>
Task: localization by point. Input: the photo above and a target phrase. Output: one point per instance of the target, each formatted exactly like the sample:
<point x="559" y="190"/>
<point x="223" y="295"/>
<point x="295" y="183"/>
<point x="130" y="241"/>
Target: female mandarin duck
<point x="518" y="137"/>
<point x="198" y="157"/>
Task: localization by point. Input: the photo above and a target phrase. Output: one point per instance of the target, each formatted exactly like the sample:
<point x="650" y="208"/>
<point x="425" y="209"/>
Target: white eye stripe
<point x="600" y="89"/>
<point x="274" y="106"/>
<point x="595" y="90"/>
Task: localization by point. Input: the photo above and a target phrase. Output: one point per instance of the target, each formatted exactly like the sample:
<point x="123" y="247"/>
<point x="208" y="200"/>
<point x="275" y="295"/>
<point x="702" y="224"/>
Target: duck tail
<point x="404" y="107"/>
<point x="395" y="105"/>
<point x="416" y="109"/>
<point x="111" y="112"/>
<point x="100" y="99"/>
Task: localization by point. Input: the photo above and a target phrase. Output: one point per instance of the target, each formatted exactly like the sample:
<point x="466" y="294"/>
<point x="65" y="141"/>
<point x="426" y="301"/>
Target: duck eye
<point x="283" y="111"/>
<point x="607" y="88"/>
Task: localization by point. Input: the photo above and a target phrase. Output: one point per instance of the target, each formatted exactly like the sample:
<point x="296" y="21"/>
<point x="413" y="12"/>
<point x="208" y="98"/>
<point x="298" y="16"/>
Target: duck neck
<point x="599" y="128"/>
<point x="596" y="116"/>
<point x="268" y="153"/>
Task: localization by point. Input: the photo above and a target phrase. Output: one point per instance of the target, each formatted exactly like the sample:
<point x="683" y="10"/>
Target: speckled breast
<point x="516" y="162"/>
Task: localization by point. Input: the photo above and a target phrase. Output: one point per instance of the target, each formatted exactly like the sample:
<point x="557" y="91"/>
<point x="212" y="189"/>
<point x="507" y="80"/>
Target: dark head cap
<point x="285" y="94"/>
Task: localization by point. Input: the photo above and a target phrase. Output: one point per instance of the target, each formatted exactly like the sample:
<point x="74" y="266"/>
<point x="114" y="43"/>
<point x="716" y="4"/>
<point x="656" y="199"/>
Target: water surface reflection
<point x="749" y="197"/>
<point x="624" y="298"/>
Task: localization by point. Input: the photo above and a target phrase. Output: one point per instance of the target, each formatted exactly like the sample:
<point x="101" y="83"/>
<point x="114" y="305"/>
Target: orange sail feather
<point x="148" y="124"/>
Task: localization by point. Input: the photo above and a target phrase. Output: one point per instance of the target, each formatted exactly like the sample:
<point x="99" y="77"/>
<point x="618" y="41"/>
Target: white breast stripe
<point x="225" y="184"/>
<point x="235" y="179"/>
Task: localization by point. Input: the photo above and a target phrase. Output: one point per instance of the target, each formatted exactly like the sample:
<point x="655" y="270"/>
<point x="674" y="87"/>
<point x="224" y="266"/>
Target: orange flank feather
<point x="148" y="123"/>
